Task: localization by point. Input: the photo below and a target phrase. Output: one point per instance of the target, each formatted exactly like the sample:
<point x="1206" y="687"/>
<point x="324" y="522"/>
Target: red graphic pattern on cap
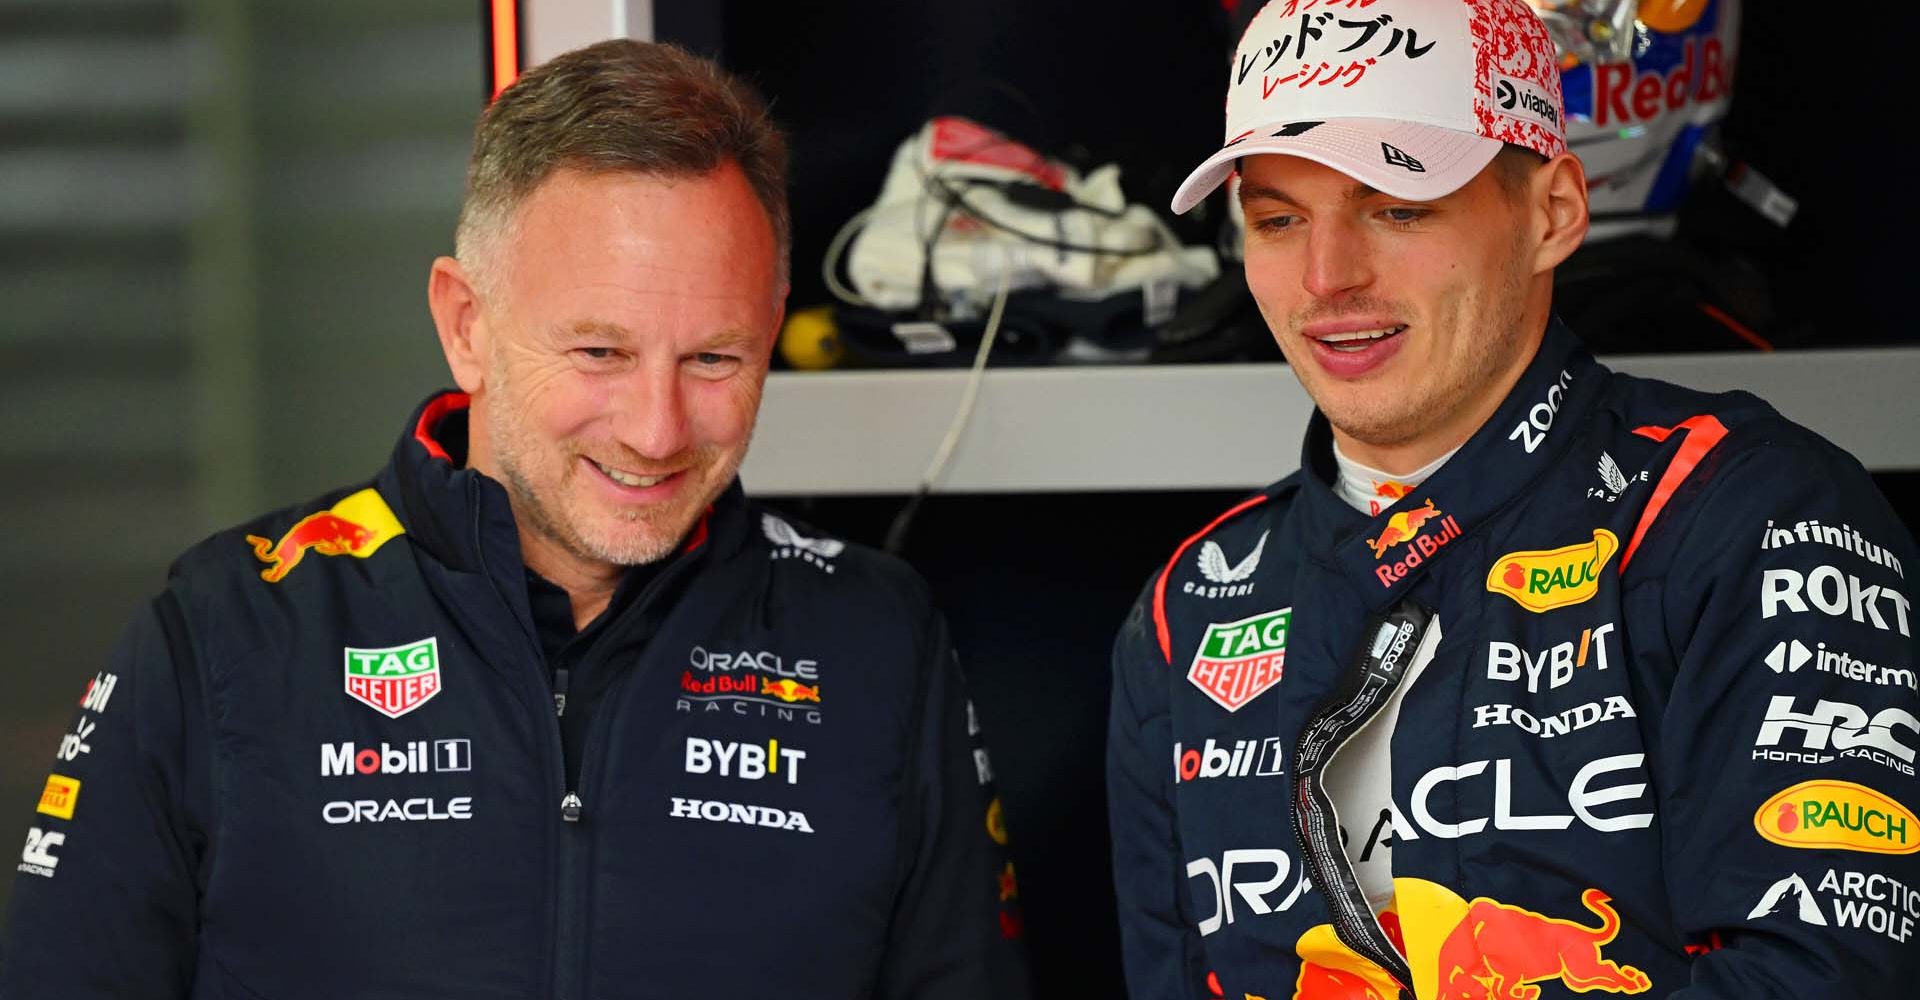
<point x="1508" y="37"/>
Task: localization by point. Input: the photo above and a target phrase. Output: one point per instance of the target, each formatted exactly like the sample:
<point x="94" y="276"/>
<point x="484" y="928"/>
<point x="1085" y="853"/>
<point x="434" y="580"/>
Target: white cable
<point x="830" y="267"/>
<point x="974" y="378"/>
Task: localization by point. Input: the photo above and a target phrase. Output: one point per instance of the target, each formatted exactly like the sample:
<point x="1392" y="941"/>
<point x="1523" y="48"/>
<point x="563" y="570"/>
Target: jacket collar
<point x="1384" y="556"/>
<point x="465" y="520"/>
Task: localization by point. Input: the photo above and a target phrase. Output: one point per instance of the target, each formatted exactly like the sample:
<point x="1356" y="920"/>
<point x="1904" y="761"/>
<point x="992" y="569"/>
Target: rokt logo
<point x="1834" y="593"/>
<point x="1837" y="815"/>
<point x="341" y="759"/>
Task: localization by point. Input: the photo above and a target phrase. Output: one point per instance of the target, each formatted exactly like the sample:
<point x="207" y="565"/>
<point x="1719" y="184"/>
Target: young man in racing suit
<point x="1535" y="680"/>
<point x="547" y="708"/>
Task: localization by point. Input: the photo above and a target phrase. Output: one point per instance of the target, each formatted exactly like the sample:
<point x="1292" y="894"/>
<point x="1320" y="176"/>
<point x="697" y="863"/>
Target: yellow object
<point x="810" y="341"/>
<point x="59" y="796"/>
<point x="1838" y="816"/>
<point x="1553" y="578"/>
<point x="1671" y="16"/>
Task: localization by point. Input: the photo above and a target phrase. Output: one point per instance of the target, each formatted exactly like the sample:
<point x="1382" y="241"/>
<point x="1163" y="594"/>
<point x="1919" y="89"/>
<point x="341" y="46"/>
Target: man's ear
<point x="457" y="317"/>
<point x="1557" y="201"/>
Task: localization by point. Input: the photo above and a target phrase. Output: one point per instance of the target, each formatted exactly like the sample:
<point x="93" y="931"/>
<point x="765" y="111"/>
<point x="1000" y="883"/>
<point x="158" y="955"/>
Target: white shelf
<point x="1179" y="427"/>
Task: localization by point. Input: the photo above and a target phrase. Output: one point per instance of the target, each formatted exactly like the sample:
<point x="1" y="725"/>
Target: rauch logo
<point x="1542" y="580"/>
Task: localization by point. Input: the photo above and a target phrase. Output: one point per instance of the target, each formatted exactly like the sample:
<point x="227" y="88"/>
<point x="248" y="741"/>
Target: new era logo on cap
<point x="1413" y="97"/>
<point x="1398" y="158"/>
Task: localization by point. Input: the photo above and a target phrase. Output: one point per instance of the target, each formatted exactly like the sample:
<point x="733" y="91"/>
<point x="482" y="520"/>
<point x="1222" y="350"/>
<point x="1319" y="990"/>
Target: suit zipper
<point x="1391" y="642"/>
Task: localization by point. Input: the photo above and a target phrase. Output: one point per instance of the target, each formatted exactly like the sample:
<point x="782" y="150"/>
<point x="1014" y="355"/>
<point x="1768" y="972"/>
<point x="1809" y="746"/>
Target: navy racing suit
<point x="1653" y="657"/>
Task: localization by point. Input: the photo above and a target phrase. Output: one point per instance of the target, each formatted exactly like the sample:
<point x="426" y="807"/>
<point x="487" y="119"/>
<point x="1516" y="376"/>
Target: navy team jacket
<point x="1662" y="742"/>
<point x="326" y="763"/>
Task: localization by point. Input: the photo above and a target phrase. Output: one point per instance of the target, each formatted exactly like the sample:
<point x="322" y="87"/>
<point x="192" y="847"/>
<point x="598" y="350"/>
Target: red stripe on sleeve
<point x="1703" y="432"/>
<point x="1160" y="586"/>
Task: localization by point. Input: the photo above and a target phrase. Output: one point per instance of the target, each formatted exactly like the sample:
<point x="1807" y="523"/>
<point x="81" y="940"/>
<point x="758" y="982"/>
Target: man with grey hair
<point x="546" y="708"/>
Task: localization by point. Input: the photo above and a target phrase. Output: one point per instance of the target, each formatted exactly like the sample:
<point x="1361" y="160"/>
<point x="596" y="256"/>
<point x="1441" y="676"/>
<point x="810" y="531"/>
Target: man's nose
<point x="1338" y="260"/>
<point x="650" y="415"/>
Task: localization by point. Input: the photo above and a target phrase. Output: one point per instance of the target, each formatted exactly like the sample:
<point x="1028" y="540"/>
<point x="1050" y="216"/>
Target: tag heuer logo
<point x="396" y="680"/>
<point x="1239" y="661"/>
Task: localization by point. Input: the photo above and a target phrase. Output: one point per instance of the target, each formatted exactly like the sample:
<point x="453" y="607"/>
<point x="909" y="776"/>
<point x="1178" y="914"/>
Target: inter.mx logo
<point x="1239" y="661"/>
<point x="394" y="680"/>
<point x="413" y="757"/>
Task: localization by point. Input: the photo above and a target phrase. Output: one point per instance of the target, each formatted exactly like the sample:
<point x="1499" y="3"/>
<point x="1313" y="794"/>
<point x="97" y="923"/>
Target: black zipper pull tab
<point x="570" y="808"/>
<point x="560" y="692"/>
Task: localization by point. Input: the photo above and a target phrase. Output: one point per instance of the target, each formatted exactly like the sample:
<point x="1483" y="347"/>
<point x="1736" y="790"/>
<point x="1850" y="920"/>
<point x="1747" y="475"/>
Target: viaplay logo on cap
<point x="395" y="680"/>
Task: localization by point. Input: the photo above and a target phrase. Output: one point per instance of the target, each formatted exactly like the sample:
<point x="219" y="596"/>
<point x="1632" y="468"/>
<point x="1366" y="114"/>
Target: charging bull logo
<point x="1502" y="950"/>
<point x="356" y="526"/>
<point x="1402" y="527"/>
<point x="1460" y="950"/>
<point x="789" y="690"/>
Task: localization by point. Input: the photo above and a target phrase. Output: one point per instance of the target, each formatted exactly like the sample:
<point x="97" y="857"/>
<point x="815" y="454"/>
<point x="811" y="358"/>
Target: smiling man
<point x="1536" y="679"/>
<point x="546" y="708"/>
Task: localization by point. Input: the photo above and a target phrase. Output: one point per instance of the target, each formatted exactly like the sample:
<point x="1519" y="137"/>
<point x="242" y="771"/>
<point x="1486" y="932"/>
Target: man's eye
<point x="710" y="358"/>
<point x="1274" y="223"/>
<point x="595" y="353"/>
<point x="1403" y="216"/>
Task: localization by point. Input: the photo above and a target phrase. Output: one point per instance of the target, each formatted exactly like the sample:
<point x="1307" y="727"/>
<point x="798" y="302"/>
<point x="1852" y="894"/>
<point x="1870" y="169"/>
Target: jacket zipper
<point x="567" y="850"/>
<point x="1391" y="642"/>
<point x="566" y="972"/>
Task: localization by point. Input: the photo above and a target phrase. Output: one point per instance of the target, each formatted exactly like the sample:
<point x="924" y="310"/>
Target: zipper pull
<point x="570" y="808"/>
<point x="560" y="692"/>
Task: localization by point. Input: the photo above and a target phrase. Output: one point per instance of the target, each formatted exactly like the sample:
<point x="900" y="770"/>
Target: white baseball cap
<point x="1410" y="97"/>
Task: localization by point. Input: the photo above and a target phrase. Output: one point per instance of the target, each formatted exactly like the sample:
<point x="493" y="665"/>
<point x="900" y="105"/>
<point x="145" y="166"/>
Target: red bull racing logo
<point x="1405" y="528"/>
<point x="356" y="526"/>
